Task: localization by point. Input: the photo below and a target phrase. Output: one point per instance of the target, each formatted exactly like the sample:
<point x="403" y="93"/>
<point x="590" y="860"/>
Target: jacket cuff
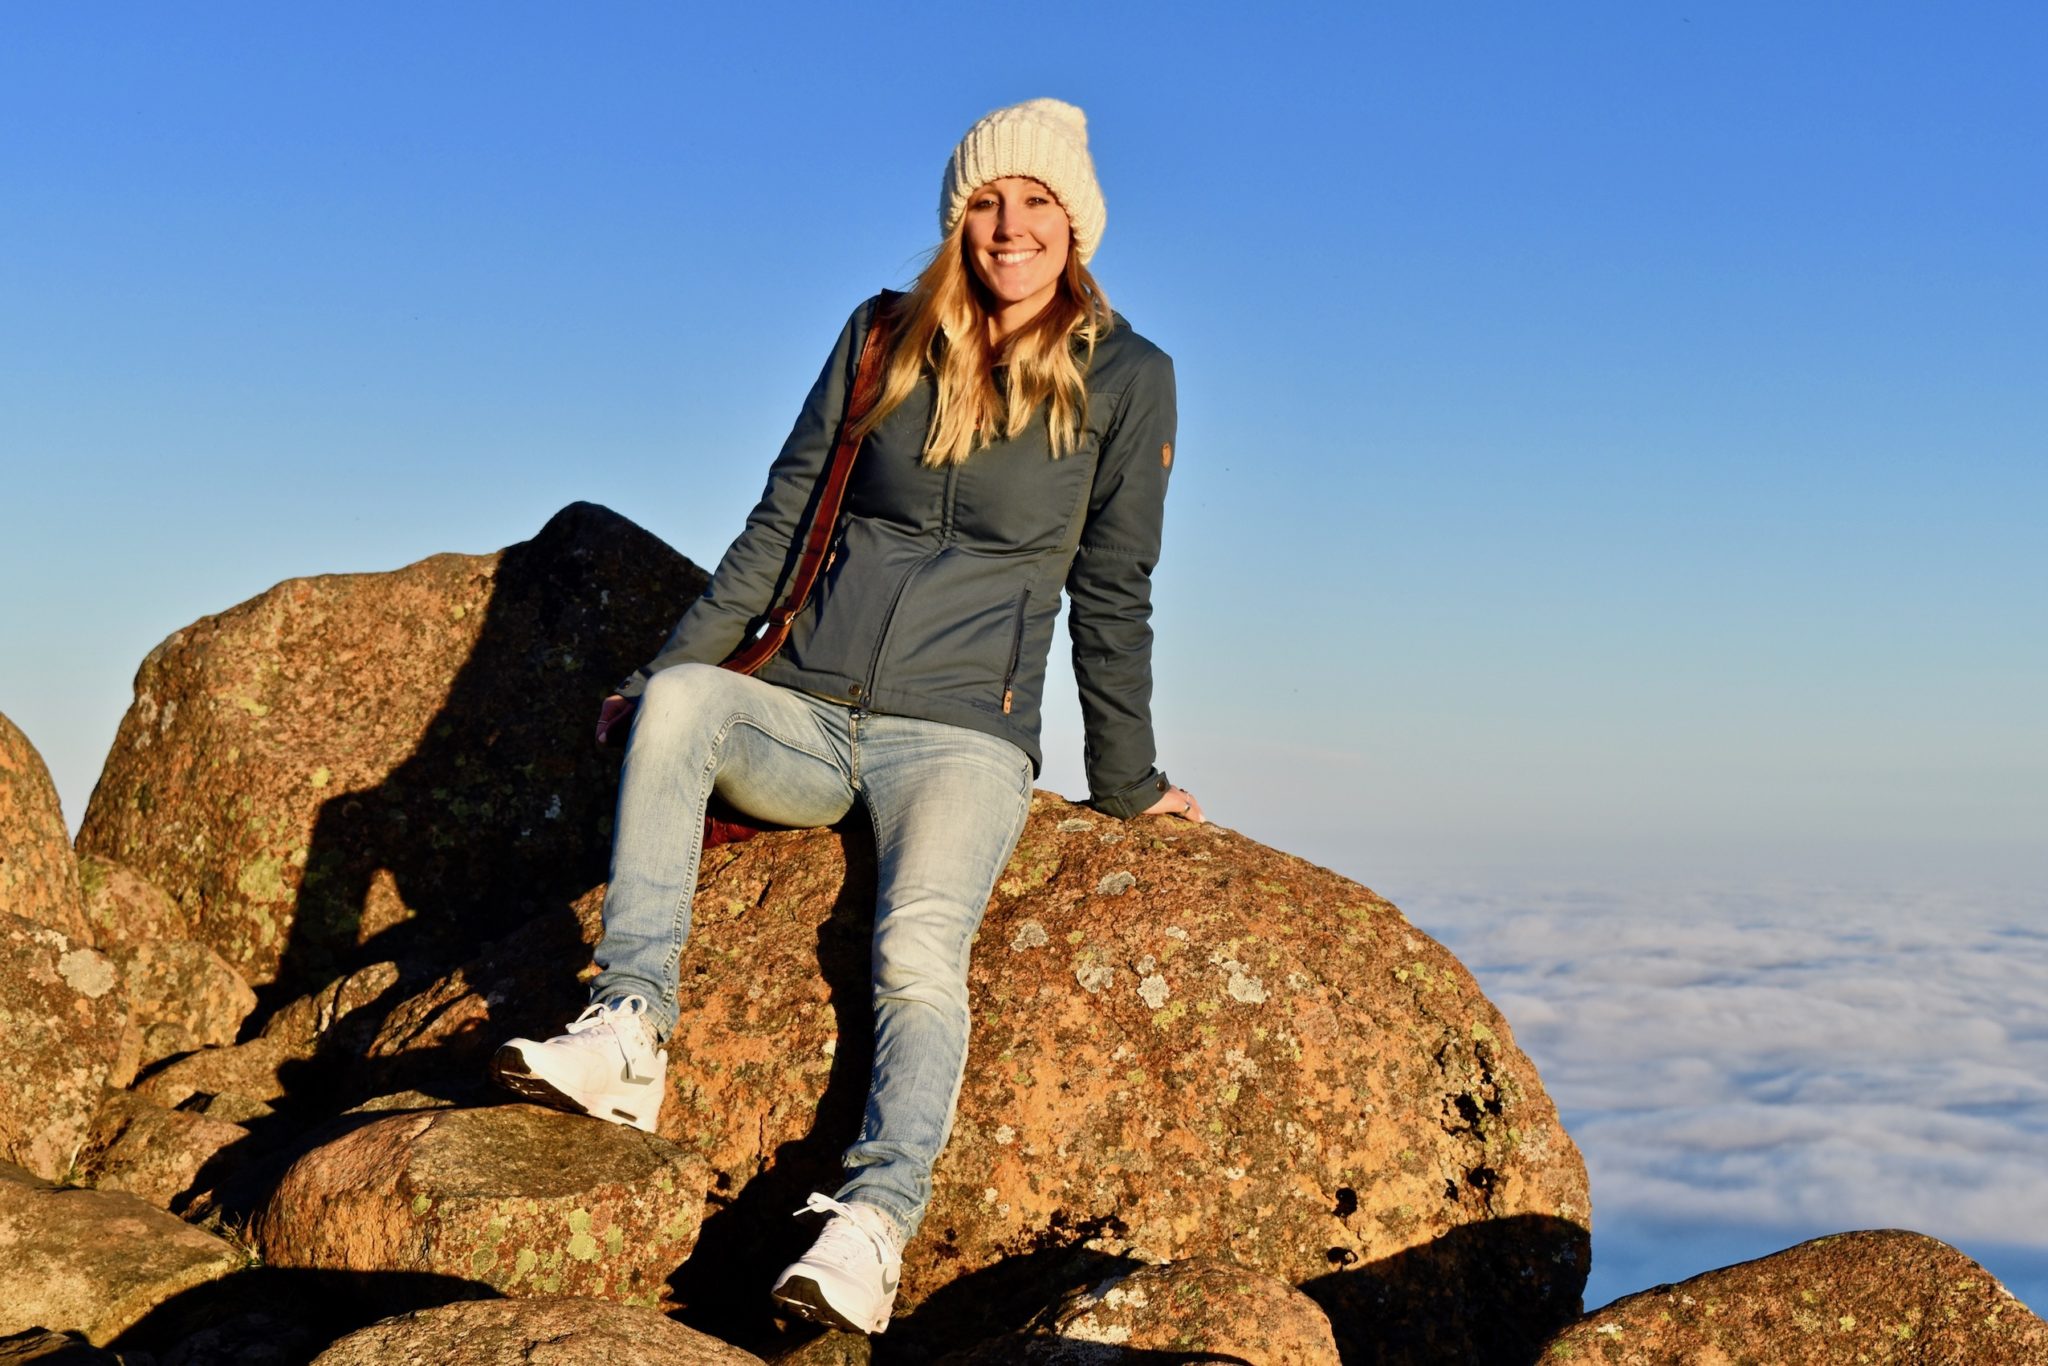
<point x="1127" y="802"/>
<point x="635" y="684"/>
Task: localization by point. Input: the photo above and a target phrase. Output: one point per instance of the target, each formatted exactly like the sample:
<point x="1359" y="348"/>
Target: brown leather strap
<point x="817" y="539"/>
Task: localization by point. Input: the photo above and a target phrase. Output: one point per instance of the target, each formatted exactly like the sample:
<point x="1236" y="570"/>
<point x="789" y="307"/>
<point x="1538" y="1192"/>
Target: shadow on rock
<point x="284" y="1317"/>
<point x="1486" y="1293"/>
<point x="504" y="808"/>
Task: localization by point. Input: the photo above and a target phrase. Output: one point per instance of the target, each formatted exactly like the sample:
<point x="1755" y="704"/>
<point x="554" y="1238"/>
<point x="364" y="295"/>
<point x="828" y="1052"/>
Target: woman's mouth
<point x="1011" y="258"/>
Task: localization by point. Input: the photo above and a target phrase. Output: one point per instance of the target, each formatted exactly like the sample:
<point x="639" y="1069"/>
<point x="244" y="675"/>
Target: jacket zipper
<point x="945" y="544"/>
<point x="889" y="617"/>
<point x="1016" y="648"/>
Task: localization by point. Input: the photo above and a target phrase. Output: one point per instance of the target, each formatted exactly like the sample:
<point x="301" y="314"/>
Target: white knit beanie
<point x="1046" y="140"/>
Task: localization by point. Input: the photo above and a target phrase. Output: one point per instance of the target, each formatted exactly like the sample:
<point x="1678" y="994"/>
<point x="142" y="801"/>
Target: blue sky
<point x="1612" y="436"/>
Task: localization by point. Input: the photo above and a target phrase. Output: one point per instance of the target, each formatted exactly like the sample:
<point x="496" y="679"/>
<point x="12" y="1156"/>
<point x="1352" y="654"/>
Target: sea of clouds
<point x="1747" y="1069"/>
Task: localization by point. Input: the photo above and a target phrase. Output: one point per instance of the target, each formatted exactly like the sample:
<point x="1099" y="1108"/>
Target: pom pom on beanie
<point x="1046" y="140"/>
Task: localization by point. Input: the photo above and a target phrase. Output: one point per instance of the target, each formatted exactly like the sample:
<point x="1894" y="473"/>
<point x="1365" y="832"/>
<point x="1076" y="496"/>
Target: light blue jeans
<point x="947" y="805"/>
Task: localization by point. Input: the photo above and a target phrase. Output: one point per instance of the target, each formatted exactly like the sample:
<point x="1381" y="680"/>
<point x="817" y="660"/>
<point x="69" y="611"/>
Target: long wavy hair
<point x="941" y="329"/>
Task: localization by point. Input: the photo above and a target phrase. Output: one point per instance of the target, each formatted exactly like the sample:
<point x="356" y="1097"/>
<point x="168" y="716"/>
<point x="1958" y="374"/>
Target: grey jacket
<point x="943" y="585"/>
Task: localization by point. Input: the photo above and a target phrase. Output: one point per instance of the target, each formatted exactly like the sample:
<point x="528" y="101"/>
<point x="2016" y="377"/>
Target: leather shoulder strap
<point x="817" y="537"/>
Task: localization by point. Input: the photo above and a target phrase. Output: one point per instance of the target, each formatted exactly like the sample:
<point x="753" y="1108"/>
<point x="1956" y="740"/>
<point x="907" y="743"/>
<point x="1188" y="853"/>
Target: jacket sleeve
<point x="1109" y="593"/>
<point x="743" y="586"/>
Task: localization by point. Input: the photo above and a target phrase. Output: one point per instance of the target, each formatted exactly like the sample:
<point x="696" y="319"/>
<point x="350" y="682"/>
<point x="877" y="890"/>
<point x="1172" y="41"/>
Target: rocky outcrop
<point x="38" y="872"/>
<point x="1187" y="1045"/>
<point x="1880" y="1296"/>
<point x="518" y="1199"/>
<point x="1202" y="1310"/>
<point x="63" y="1005"/>
<point x="365" y="761"/>
<point x="547" y="1332"/>
<point x="94" y="1262"/>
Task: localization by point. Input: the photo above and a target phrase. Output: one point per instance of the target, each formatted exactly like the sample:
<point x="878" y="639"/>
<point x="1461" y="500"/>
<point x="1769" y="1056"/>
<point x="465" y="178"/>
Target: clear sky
<point x="1612" y="435"/>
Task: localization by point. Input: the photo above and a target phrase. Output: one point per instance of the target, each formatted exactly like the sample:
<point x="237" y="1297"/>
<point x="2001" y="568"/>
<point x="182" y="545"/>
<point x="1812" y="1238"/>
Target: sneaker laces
<point x="600" y="1014"/>
<point x="862" y="1230"/>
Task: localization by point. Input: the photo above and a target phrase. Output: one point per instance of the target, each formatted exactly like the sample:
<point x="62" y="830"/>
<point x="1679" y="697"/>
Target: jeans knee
<point x="676" y="703"/>
<point x="923" y="959"/>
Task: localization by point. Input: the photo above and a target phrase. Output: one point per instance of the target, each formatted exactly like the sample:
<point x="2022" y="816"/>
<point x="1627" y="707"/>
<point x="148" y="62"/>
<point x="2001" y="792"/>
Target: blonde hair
<point x="941" y="327"/>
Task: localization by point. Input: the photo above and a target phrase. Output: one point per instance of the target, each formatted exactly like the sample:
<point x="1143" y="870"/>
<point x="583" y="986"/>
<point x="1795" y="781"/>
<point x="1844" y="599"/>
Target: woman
<point x="1020" y="445"/>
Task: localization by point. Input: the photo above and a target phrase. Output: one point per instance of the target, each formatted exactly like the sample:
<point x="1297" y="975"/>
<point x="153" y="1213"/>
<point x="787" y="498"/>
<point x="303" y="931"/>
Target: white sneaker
<point x="848" y="1278"/>
<point x="607" y="1065"/>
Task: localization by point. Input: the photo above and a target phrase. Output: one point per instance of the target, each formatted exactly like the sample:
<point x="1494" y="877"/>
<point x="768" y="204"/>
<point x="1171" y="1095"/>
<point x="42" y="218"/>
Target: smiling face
<point x="1017" y="238"/>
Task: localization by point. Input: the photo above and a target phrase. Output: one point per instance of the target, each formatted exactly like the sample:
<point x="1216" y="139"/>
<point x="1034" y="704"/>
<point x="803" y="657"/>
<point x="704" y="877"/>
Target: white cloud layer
<point x="1798" y="1058"/>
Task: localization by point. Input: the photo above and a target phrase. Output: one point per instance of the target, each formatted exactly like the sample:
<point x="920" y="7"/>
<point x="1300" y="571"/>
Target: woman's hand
<point x="1178" y="801"/>
<point x="614" y="711"/>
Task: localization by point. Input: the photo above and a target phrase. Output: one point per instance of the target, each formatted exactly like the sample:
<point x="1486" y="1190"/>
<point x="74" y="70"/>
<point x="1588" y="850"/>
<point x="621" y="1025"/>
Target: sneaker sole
<point x="802" y="1297"/>
<point x="509" y="1070"/>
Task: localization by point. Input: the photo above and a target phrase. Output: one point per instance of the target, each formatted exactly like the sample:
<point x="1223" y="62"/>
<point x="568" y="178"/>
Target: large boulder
<point x="1204" y="1310"/>
<point x="95" y="1262"/>
<point x="65" y="1022"/>
<point x="1879" y="1296"/>
<point x="389" y="759"/>
<point x="1186" y="1045"/>
<point x="38" y="871"/>
<point x="546" y="1332"/>
<point x="516" y="1199"/>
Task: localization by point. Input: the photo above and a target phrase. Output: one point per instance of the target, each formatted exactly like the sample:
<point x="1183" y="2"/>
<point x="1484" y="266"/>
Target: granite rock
<point x="1880" y="1296"/>
<point x="38" y="871"/>
<point x="516" y="1199"/>
<point x="364" y="767"/>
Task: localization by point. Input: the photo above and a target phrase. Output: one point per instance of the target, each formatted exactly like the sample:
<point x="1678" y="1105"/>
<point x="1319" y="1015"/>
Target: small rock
<point x="44" y="1348"/>
<point x="150" y="1151"/>
<point x="183" y="996"/>
<point x="547" y="1331"/>
<point x="253" y="1071"/>
<point x="125" y="909"/>
<point x="524" y="1200"/>
<point x="1203" y="1309"/>
<point x="95" y="1262"/>
<point x="1115" y="884"/>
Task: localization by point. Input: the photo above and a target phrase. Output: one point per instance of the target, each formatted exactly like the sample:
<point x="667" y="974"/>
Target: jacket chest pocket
<point x="1010" y="499"/>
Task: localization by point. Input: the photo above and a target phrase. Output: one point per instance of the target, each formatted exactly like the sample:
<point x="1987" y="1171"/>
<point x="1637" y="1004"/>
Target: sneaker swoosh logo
<point x="889" y="1283"/>
<point x="626" y="1076"/>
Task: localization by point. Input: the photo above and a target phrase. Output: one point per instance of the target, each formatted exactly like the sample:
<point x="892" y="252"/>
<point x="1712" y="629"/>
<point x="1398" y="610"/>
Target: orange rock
<point x="38" y="872"/>
<point x="182" y="996"/>
<point x="561" y="1332"/>
<point x="1207" y="1309"/>
<point x="1880" y="1296"/>
<point x="125" y="909"/>
<point x="517" y="1199"/>
<point x="1233" y="1052"/>
<point x="151" y="1152"/>
<point x="63" y="1004"/>
<point x="95" y="1262"/>
<point x="365" y="762"/>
